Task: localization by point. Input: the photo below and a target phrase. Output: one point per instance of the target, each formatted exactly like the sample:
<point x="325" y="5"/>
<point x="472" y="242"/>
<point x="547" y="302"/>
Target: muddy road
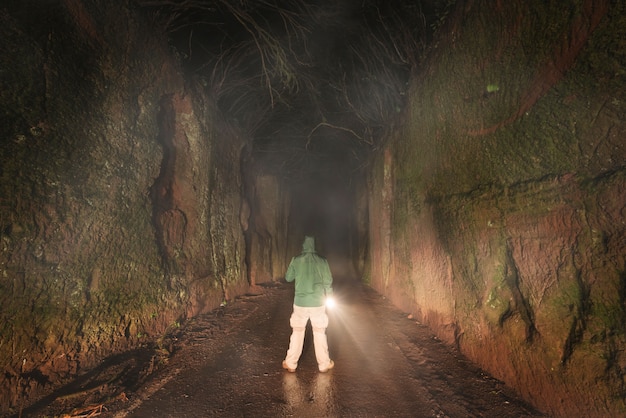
<point x="228" y="364"/>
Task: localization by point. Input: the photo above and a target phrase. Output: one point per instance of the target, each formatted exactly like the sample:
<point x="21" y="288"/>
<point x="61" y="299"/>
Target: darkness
<point x="315" y="85"/>
<point x="163" y="158"/>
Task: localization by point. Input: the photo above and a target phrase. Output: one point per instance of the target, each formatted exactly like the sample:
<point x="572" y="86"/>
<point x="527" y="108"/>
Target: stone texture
<point x="267" y="227"/>
<point x="497" y="210"/>
<point x="119" y="196"/>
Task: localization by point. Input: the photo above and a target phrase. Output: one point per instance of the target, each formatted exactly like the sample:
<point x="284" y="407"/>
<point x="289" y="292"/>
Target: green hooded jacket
<point x="311" y="274"/>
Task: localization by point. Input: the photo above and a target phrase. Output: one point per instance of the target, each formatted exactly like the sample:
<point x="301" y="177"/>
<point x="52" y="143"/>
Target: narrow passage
<point x="228" y="364"/>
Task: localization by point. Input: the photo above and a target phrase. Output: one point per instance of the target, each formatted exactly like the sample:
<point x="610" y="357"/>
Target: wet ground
<point x="228" y="364"/>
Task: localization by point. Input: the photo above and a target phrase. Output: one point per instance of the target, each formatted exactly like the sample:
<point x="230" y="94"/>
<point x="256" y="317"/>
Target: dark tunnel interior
<point x="315" y="84"/>
<point x="461" y="160"/>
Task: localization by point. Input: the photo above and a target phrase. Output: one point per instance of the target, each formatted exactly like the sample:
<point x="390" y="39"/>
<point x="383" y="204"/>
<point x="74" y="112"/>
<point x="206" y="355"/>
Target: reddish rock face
<point x="494" y="213"/>
<point x="120" y="202"/>
<point x="508" y="240"/>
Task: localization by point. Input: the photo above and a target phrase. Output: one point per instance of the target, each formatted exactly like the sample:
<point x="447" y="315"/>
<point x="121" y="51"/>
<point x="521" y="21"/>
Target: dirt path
<point x="228" y="364"/>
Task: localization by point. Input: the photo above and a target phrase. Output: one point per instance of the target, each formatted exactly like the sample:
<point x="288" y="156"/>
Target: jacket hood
<point x="308" y="246"/>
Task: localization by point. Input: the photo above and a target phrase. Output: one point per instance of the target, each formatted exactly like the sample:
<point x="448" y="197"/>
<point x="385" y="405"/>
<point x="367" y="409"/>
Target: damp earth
<point x="227" y="363"/>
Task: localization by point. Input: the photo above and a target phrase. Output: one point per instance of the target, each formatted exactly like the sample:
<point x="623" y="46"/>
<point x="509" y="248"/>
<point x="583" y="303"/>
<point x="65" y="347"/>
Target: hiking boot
<point x="330" y="366"/>
<point x="289" y="369"/>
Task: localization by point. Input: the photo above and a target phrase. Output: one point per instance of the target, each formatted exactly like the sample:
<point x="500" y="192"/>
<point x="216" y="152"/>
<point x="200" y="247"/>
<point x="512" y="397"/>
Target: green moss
<point x="609" y="312"/>
<point x="367" y="273"/>
<point x="496" y="76"/>
<point x="564" y="299"/>
<point x="498" y="303"/>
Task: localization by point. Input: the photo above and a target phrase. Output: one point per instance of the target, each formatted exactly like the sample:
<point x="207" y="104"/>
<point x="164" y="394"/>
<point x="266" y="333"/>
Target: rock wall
<point x="120" y="192"/>
<point x="497" y="211"/>
<point x="267" y="227"/>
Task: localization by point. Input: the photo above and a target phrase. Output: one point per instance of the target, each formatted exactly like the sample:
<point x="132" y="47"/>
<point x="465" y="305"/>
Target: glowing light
<point x="330" y="302"/>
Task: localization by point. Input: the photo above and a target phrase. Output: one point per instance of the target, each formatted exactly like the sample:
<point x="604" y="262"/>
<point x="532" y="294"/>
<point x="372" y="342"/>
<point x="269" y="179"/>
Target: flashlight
<point x="330" y="302"/>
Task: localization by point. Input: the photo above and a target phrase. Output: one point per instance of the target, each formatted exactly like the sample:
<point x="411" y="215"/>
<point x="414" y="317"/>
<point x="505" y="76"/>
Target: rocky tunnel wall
<point x="497" y="210"/>
<point x="120" y="192"/>
<point x="266" y="223"/>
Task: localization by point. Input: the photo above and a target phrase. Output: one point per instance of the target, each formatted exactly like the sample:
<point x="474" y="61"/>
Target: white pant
<point x="319" y="323"/>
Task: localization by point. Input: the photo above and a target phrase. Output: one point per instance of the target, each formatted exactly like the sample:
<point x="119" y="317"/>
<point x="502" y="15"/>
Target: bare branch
<point x="319" y="125"/>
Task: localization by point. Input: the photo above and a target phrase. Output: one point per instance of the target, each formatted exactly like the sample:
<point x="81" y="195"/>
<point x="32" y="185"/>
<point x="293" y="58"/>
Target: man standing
<point x="313" y="284"/>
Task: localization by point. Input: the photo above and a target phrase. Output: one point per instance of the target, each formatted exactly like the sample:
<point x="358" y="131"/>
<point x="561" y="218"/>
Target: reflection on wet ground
<point x="309" y="398"/>
<point x="228" y="364"/>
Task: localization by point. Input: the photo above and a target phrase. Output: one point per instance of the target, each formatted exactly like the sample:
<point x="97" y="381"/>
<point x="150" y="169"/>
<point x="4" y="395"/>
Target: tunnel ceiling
<point x="314" y="84"/>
